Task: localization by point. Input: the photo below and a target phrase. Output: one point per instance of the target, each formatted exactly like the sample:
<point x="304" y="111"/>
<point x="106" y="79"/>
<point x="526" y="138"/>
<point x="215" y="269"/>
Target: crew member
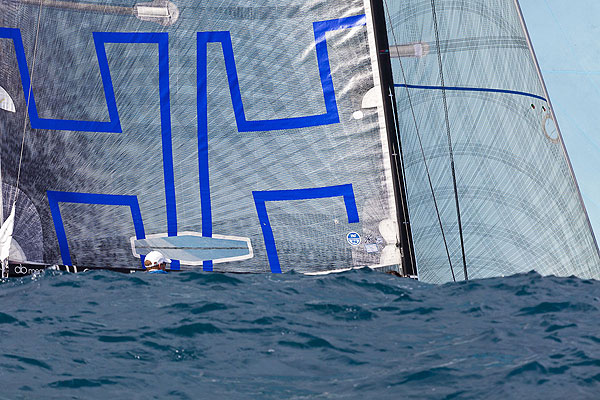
<point x="156" y="263"/>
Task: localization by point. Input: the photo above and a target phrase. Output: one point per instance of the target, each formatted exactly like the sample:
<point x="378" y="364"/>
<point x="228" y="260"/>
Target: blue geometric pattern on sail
<point x="260" y="197"/>
<point x="91" y="198"/>
<point x="162" y="39"/>
<point x="114" y="125"/>
<point x="331" y="116"/>
<point x="470" y="89"/>
<point x="320" y="28"/>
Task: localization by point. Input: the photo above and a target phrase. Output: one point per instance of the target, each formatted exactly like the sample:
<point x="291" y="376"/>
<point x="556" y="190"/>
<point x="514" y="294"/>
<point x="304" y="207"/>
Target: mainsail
<point x="171" y="123"/>
<point x="490" y="188"/>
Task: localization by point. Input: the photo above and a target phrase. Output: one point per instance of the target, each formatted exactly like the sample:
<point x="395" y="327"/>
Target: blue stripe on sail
<point x="114" y="125"/>
<point x="162" y="39"/>
<point x="261" y="197"/>
<point x="471" y="89"/>
<point x="90" y="198"/>
<point x="331" y="112"/>
<point x="202" y="117"/>
<point x="330" y="116"/>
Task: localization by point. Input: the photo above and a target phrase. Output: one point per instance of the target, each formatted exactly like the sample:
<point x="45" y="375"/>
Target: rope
<point x="412" y="109"/>
<point x="439" y="53"/>
<point x="37" y="32"/>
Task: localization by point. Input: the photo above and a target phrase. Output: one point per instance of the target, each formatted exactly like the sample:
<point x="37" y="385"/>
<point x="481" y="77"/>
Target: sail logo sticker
<point x="353" y="238"/>
<point x="20" y="270"/>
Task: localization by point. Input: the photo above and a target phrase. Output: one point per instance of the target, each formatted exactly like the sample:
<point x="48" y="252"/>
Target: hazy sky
<point x="566" y="39"/>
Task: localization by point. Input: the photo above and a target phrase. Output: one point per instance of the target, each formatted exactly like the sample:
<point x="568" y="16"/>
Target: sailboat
<point x="258" y="136"/>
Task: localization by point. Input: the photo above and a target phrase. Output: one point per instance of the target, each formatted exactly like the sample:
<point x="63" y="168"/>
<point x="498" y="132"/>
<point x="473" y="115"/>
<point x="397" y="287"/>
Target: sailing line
<point x="35" y="44"/>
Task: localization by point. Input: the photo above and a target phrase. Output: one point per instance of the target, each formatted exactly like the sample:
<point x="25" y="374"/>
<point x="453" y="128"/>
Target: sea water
<point x="355" y="335"/>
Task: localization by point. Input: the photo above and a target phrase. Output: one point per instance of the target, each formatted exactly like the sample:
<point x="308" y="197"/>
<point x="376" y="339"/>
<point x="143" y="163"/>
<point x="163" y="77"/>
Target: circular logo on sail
<point x="353" y="238"/>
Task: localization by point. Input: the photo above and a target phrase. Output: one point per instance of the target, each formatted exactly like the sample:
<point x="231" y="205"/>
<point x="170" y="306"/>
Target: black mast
<point x="392" y="127"/>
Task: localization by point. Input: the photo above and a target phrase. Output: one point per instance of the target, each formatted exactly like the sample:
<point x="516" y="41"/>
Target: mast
<point x="392" y="128"/>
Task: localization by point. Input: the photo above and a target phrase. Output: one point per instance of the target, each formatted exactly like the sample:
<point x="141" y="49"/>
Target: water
<point x="358" y="335"/>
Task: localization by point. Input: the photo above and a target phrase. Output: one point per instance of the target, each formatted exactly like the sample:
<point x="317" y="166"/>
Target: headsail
<point x="476" y="98"/>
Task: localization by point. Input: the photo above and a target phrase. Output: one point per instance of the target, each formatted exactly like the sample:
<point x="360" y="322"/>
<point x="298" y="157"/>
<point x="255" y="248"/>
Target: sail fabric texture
<point x="518" y="200"/>
<point x="238" y="120"/>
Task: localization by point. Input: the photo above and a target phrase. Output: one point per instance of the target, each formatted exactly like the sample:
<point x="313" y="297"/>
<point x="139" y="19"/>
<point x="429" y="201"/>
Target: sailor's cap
<point x="155" y="258"/>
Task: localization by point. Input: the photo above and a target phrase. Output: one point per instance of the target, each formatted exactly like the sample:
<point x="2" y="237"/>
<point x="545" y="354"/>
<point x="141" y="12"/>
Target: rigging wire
<point x="412" y="109"/>
<point x="31" y="74"/>
<point x="441" y="73"/>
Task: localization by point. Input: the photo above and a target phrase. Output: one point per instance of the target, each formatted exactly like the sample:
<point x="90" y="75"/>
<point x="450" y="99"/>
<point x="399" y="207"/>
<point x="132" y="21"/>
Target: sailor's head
<point x="155" y="260"/>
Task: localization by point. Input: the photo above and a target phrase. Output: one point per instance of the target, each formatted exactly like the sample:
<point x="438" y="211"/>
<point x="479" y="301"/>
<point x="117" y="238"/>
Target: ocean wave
<point x="358" y="334"/>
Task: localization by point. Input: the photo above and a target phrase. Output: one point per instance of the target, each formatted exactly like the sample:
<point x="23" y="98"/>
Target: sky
<point x="566" y="39"/>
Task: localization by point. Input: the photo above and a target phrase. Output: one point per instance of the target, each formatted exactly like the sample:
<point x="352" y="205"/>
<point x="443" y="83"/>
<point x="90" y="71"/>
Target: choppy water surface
<point x="359" y="334"/>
